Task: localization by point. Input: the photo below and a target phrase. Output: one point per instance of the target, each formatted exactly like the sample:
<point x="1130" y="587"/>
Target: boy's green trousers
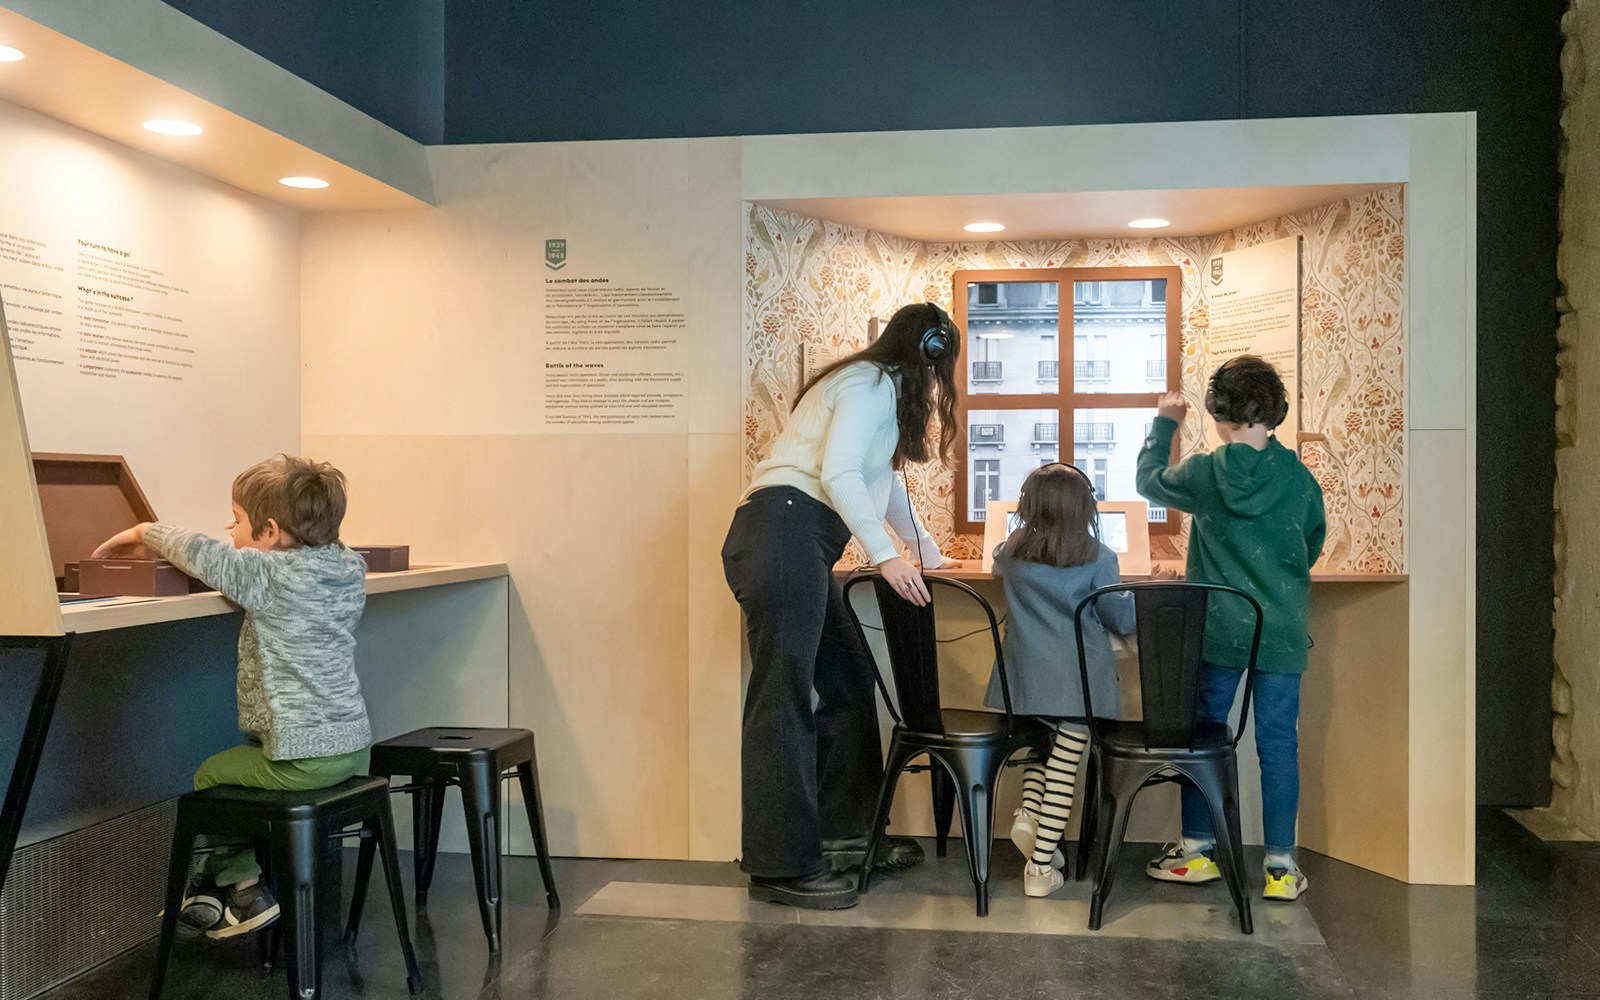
<point x="246" y="765"/>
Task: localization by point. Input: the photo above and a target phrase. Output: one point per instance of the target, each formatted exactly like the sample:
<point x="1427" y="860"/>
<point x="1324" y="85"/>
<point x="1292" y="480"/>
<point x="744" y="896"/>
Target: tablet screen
<point x="1113" y="528"/>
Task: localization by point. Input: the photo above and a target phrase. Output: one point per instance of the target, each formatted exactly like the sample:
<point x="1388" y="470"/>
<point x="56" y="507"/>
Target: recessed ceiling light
<point x="9" y="54"/>
<point x="1149" y="224"/>
<point x="171" y="126"/>
<point x="303" y="182"/>
<point x="983" y="227"/>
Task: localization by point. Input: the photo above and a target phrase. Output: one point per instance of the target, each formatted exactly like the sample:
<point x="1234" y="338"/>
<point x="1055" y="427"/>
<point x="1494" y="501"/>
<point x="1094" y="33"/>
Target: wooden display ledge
<point x="973" y="573"/>
<point x="126" y="612"/>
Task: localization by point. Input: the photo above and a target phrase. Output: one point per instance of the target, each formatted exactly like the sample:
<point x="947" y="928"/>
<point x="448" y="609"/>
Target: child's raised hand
<point x="123" y="545"/>
<point x="1173" y="406"/>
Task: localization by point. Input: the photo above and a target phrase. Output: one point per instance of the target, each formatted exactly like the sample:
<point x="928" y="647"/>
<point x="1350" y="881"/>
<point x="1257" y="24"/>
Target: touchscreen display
<point x="1113" y="529"/>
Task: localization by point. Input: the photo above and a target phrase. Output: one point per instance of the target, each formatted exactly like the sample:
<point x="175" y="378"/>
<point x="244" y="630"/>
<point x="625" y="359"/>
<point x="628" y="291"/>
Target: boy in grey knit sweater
<point x="300" y="707"/>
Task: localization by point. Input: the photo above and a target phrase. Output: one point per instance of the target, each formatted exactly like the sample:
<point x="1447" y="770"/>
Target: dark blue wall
<point x="614" y="68"/>
<point x="385" y="57"/>
<point x="518" y="70"/>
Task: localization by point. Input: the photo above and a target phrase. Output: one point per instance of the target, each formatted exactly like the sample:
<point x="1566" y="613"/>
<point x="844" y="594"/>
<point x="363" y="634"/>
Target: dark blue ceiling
<point x="385" y="57"/>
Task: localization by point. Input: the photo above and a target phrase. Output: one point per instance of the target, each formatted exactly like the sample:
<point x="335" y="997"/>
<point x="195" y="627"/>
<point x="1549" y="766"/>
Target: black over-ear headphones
<point x="1068" y="465"/>
<point x="936" y="340"/>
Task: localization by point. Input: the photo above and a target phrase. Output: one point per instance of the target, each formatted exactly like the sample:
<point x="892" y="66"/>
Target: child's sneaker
<point x="245" y="910"/>
<point x="1179" y="864"/>
<point x="202" y="906"/>
<point x="1039" y="880"/>
<point x="1024" y="832"/>
<point x="1285" y="885"/>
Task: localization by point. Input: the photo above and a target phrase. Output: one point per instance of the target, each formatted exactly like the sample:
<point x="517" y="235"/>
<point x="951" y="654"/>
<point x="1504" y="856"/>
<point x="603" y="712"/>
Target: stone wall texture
<point x="1575" y="766"/>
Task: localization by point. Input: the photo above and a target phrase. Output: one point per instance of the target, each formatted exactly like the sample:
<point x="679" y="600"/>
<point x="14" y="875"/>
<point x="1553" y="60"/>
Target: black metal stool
<point x="299" y="828"/>
<point x="475" y="760"/>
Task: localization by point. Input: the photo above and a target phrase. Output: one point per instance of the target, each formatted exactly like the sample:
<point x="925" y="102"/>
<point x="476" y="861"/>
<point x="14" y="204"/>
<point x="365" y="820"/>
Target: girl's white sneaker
<point x="1037" y="880"/>
<point x="1024" y="832"/>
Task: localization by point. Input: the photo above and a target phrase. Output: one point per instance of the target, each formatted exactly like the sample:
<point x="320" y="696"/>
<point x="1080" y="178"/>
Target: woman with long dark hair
<point x="811" y="774"/>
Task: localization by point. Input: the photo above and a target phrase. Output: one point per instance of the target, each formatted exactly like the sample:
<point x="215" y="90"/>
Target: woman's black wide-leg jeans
<point x="810" y="773"/>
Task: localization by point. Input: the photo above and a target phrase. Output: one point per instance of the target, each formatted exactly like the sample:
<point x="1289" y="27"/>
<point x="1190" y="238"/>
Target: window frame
<point x="1066" y="400"/>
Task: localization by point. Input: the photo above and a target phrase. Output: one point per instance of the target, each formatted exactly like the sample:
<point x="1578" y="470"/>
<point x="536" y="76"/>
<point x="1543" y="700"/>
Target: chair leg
<point x="1116" y="794"/>
<point x="358" y="893"/>
<point x="480" y="794"/>
<point x="383" y="832"/>
<point x="975" y="774"/>
<point x="944" y="808"/>
<point x="898" y="757"/>
<point x="1219" y="784"/>
<point x="528" y="778"/>
<point x="427" y="816"/>
<point x="269" y="943"/>
<point x="1088" y="807"/>
<point x="330" y="893"/>
<point x="296" y="847"/>
<point x="177" y="880"/>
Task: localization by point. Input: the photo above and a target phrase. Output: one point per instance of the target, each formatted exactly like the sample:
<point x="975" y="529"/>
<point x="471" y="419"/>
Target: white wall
<point x="237" y="258"/>
<point x="423" y="342"/>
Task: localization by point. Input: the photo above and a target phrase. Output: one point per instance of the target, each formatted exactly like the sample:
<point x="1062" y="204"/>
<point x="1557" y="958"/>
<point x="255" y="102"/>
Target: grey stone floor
<point x="1530" y="928"/>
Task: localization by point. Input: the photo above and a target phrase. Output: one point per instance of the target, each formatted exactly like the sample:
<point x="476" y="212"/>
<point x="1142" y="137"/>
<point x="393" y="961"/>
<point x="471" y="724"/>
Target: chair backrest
<point x="911" y="638"/>
<point x="1171" y="628"/>
<point x="49" y="654"/>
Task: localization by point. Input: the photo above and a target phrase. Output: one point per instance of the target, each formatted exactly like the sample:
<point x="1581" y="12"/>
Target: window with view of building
<point x="1121" y="337"/>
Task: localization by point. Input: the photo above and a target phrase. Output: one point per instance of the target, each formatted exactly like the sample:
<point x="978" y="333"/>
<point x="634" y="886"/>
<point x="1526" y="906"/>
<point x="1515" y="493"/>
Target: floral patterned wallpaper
<point x="819" y="283"/>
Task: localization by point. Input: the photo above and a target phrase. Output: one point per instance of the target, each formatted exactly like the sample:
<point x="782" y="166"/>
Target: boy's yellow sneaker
<point x="1284" y="885"/>
<point x="1181" y="865"/>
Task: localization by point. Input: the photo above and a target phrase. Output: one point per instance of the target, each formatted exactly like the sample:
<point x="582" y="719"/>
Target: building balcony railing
<point x="1096" y="432"/>
<point x="1156" y="371"/>
<point x="1091" y="371"/>
<point x="1048" y="370"/>
<point x="987" y="371"/>
<point x="1047" y="433"/>
<point x="986" y="434"/>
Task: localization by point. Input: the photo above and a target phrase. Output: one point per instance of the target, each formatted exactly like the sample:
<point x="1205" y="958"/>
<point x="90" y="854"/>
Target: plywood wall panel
<point x="598" y="648"/>
<point x="28" y="603"/>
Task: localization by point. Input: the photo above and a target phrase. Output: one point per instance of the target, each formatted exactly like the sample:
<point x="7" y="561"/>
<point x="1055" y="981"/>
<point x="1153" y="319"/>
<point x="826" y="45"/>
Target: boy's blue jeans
<point x="1277" y="719"/>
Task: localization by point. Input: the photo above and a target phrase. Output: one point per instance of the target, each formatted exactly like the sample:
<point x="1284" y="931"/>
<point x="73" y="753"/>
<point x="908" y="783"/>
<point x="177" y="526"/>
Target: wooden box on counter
<point x="87" y="499"/>
<point x="384" y="558"/>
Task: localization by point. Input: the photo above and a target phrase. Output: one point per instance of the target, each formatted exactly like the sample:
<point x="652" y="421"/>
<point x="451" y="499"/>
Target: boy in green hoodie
<point x="1258" y="525"/>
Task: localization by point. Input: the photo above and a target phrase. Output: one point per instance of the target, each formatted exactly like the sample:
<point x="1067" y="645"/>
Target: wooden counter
<point x="974" y="573"/>
<point x="99" y="615"/>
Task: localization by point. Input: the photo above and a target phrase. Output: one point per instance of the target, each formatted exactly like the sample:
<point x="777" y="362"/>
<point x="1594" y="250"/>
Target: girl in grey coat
<point x="1049" y="564"/>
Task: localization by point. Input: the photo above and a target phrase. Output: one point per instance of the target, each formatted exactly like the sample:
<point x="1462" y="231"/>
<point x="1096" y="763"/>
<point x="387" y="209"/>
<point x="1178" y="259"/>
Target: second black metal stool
<point x="475" y="760"/>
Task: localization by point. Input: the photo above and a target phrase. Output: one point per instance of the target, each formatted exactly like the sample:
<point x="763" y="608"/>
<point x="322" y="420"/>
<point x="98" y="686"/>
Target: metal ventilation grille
<point x="51" y="929"/>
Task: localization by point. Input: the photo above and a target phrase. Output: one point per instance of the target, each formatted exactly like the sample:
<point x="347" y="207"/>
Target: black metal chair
<point x="970" y="746"/>
<point x="1169" y="744"/>
<point x="475" y="760"/>
<point x="303" y="830"/>
<point x="50" y="652"/>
